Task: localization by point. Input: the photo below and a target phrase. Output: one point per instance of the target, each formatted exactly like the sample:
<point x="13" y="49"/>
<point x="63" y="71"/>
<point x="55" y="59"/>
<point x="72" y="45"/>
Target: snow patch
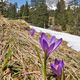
<point x="73" y="40"/>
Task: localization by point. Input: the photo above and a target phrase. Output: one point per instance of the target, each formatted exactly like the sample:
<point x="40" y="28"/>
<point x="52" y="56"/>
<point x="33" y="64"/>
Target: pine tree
<point x="24" y="11"/>
<point x="76" y="14"/>
<point x="20" y="12"/>
<point x="70" y="16"/>
<point x="61" y="6"/>
<point x="60" y="14"/>
<point x="39" y="16"/>
<point x="70" y="19"/>
<point x="12" y="11"/>
<point x="40" y="1"/>
<point x="3" y="7"/>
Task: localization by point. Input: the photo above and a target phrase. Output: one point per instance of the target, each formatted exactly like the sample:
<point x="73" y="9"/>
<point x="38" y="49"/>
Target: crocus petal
<point x="53" y="39"/>
<point x="62" y="64"/>
<point x="44" y="36"/>
<point x="50" y="49"/>
<point x="53" y="68"/>
<point x="59" y="71"/>
<point x="57" y="43"/>
<point x="32" y="31"/>
<point x="45" y="45"/>
<point x="57" y="67"/>
<point x="43" y="41"/>
<point x="56" y="62"/>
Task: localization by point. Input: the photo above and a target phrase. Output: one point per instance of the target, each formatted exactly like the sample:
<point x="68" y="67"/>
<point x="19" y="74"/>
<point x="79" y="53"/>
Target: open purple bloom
<point x="49" y="45"/>
<point x="57" y="67"/>
<point x="32" y="32"/>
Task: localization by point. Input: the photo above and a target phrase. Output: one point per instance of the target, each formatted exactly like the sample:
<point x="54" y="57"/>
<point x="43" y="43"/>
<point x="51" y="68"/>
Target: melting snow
<point x="73" y="40"/>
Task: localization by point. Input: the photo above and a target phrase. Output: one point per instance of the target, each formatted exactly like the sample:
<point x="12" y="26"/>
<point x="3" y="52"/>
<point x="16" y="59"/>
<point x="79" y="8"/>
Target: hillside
<point x="18" y="60"/>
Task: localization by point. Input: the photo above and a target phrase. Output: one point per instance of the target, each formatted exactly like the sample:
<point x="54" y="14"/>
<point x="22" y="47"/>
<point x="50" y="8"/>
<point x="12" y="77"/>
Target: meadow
<point x="19" y="59"/>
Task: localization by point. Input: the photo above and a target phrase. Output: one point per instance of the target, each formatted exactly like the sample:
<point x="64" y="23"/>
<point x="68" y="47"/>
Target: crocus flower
<point x="57" y="67"/>
<point x="49" y="45"/>
<point x="32" y="32"/>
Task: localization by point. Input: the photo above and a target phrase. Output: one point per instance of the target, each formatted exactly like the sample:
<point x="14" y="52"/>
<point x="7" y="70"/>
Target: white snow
<point x="52" y="4"/>
<point x="73" y="41"/>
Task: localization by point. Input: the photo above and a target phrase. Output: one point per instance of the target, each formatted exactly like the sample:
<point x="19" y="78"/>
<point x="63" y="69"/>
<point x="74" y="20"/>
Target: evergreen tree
<point x="70" y="16"/>
<point x="70" y="19"/>
<point x="61" y="6"/>
<point x="60" y="14"/>
<point x="39" y="16"/>
<point x="3" y="7"/>
<point x="24" y="11"/>
<point x="76" y="14"/>
<point x="40" y="1"/>
<point x="77" y="22"/>
<point x="12" y="11"/>
<point x="20" y="12"/>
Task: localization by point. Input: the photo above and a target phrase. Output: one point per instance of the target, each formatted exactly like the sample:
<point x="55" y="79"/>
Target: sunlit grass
<point x="22" y="63"/>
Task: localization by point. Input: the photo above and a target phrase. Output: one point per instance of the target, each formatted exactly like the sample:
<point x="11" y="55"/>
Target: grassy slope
<point x="22" y="58"/>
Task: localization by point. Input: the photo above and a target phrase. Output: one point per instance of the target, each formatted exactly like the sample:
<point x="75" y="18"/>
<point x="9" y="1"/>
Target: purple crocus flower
<point x="49" y="45"/>
<point x="57" y="67"/>
<point x="32" y="32"/>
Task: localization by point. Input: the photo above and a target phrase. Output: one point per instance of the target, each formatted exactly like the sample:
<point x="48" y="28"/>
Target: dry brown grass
<point x="21" y="62"/>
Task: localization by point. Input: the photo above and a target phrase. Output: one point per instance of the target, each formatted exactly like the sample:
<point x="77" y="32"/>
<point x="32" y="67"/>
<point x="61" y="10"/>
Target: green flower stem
<point x="63" y="75"/>
<point x="44" y="74"/>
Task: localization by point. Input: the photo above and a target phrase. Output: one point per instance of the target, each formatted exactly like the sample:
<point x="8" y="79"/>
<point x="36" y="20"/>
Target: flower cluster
<point x="57" y="67"/>
<point x="49" y="45"/>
